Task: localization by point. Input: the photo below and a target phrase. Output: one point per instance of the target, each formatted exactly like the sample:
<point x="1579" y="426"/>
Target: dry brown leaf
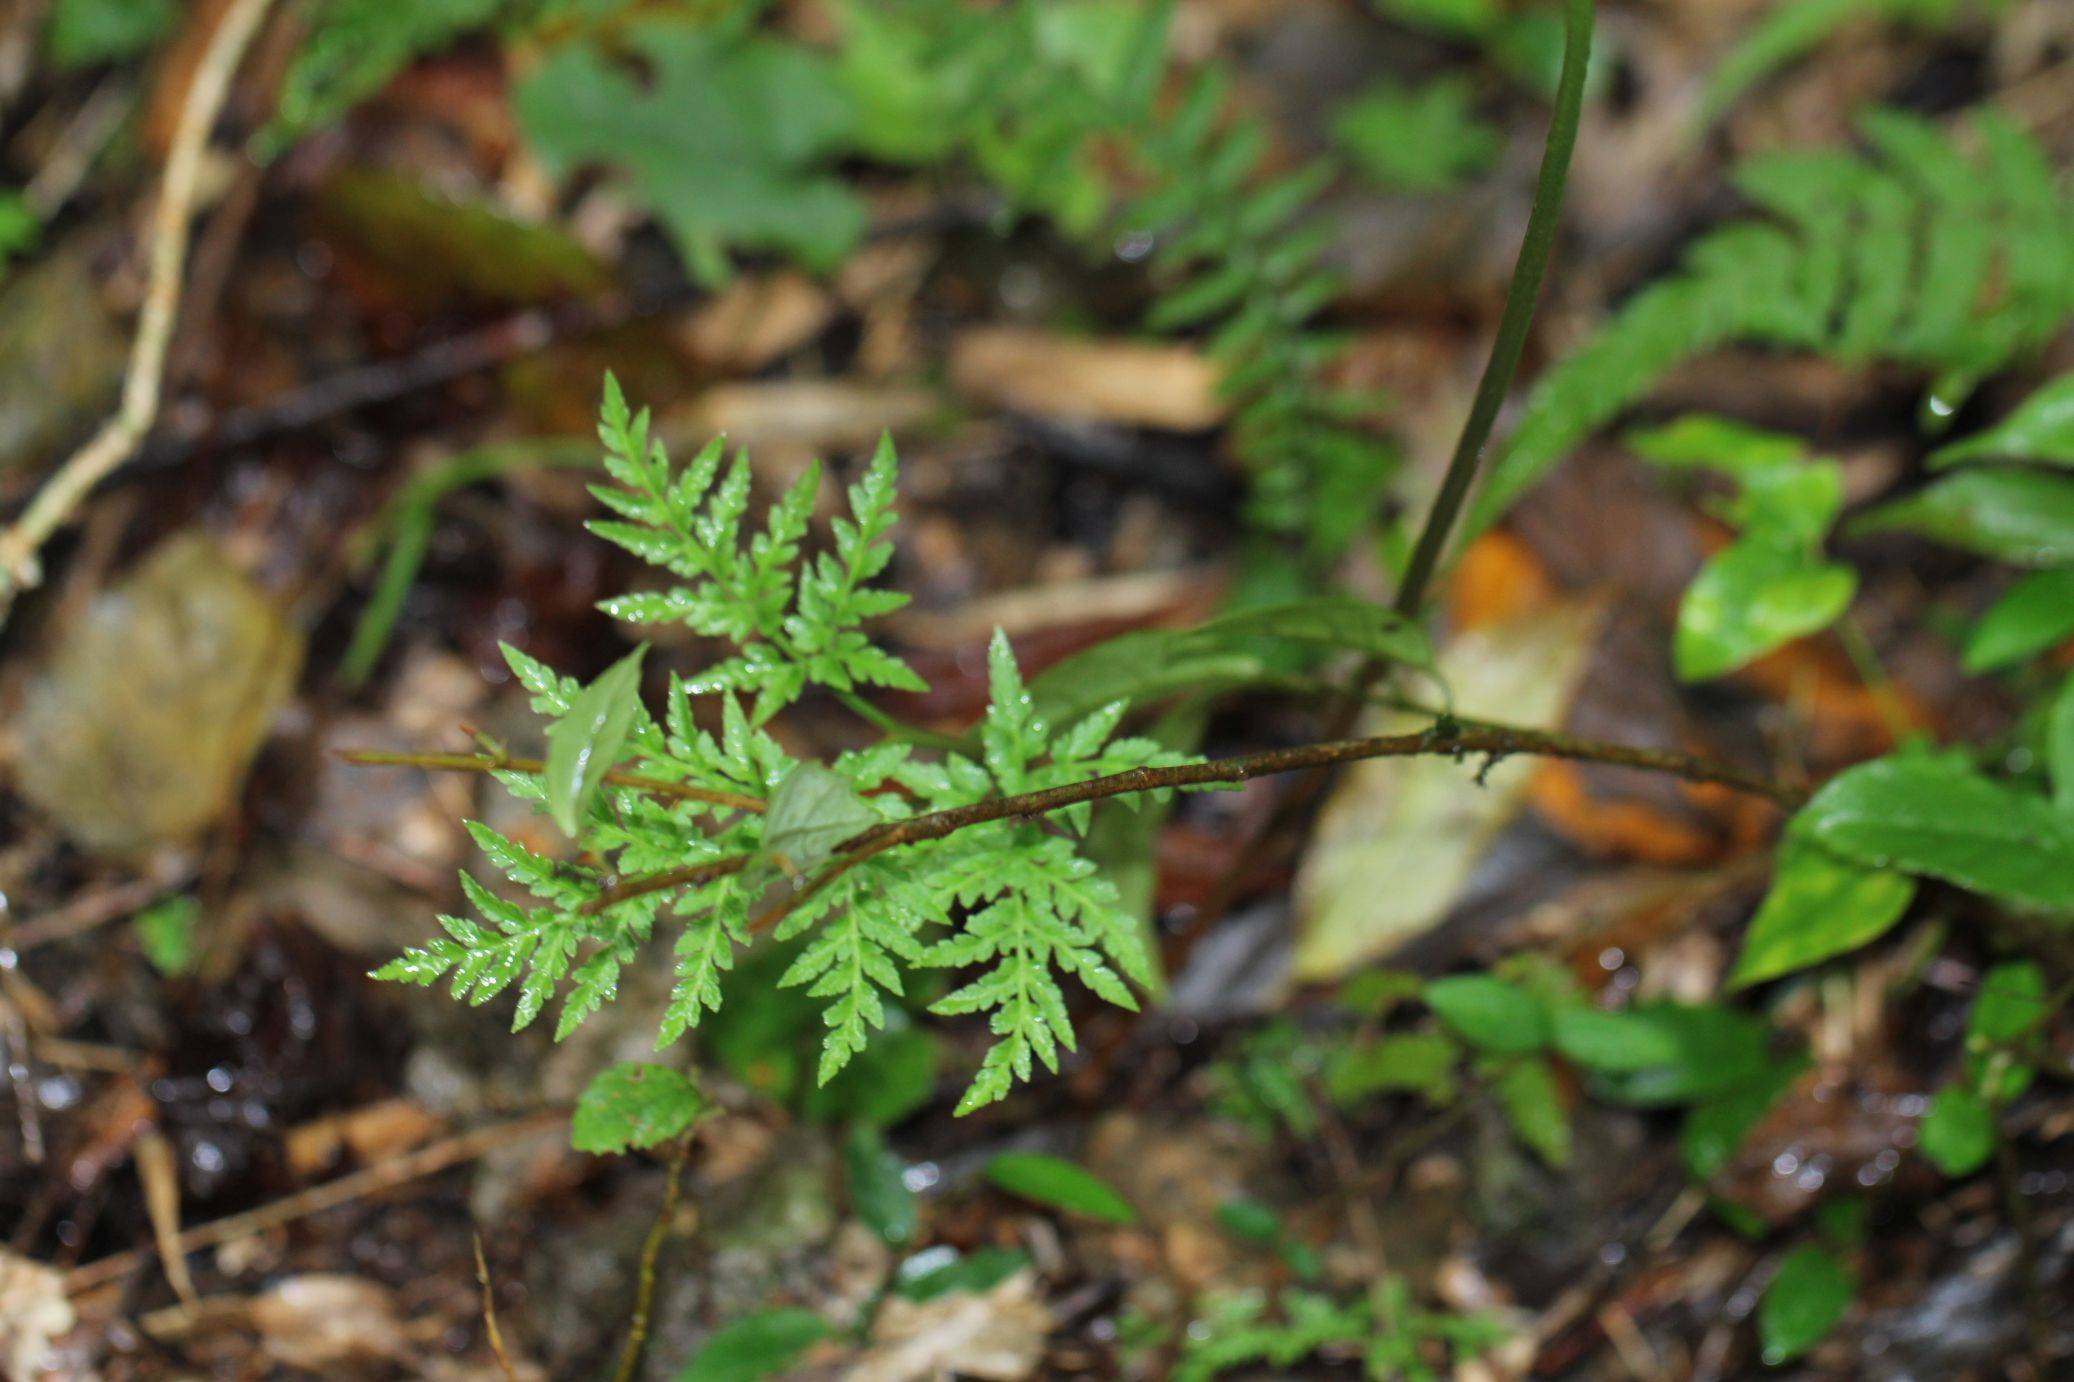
<point x="320" y="1319"/>
<point x="807" y="417"/>
<point x="997" y="1335"/>
<point x="1170" y="387"/>
<point x="758" y="320"/>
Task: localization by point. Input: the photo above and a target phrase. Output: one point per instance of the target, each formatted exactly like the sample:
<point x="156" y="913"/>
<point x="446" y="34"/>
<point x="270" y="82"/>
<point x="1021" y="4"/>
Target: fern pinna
<point x="743" y="832"/>
<point x="1950" y="254"/>
<point x="1244" y="261"/>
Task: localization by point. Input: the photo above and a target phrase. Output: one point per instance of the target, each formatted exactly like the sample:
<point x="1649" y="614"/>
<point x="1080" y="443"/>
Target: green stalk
<point x="1520" y="299"/>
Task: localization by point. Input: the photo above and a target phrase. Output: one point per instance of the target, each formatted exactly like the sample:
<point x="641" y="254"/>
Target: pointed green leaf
<point x="813" y="810"/>
<point x="1820" y="905"/>
<point x="632" y="1105"/>
<point x="584" y="743"/>
<point x="1059" y="1184"/>
<point x="1802" y="1303"/>
<point x="2040" y="430"/>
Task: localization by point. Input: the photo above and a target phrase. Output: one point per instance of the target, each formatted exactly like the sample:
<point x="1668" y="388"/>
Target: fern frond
<point x="1244" y="259"/>
<point x="795" y="623"/>
<point x="1919" y="254"/>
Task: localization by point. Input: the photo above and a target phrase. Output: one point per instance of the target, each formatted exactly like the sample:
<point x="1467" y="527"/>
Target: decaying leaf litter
<point x="390" y="337"/>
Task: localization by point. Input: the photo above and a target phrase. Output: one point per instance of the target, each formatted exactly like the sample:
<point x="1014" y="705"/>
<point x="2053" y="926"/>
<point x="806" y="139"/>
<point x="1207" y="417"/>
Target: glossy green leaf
<point x="1802" y="1303"/>
<point x="2025" y="517"/>
<point x="1533" y="1105"/>
<point x="756" y="1346"/>
<point x="1753" y="598"/>
<point x="633" y="1105"/>
<point x="2034" y="614"/>
<point x="584" y="743"/>
<point x="2041" y="429"/>
<point x="1958" y="1132"/>
<point x="2059" y="746"/>
<point x="1059" y="1184"/>
<point x="877" y="1181"/>
<point x="1820" y="905"/>
<point x="812" y="811"/>
<point x="1489" y="1013"/>
<point x="1942" y="818"/>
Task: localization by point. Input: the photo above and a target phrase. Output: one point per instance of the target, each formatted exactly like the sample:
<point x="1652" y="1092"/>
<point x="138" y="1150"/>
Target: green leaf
<point x="1715" y="1127"/>
<point x="1709" y="1050"/>
<point x="1533" y="1105"/>
<point x="166" y="929"/>
<point x="2059" y="746"/>
<point x="877" y="1180"/>
<point x="1421" y="1063"/>
<point x="1490" y="1013"/>
<point x="632" y="1105"/>
<point x="1717" y="443"/>
<point x="583" y="744"/>
<point x="1421" y="138"/>
<point x="2025" y="517"/>
<point x="942" y="1271"/>
<point x="1958" y="1132"/>
<point x="1820" y="906"/>
<point x="2034" y="614"/>
<point x="2041" y="430"/>
<point x="1250" y="1220"/>
<point x="812" y="811"/>
<point x="755" y="1346"/>
<point x="728" y="141"/>
<point x="1615" y="1042"/>
<point x="1942" y="818"/>
<point x="84" y="33"/>
<point x="1752" y="598"/>
<point x="1059" y="1184"/>
<point x="1802" y="1303"/>
<point x="2005" y="1030"/>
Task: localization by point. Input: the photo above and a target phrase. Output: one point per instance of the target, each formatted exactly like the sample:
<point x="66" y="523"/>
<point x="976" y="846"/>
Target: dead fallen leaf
<point x="804" y="417"/>
<point x="370" y="1134"/>
<point x="997" y="1335"/>
<point x="1398" y="837"/>
<point x="1170" y="387"/>
<point x="33" y="1312"/>
<point x="757" y="321"/>
<point x="320" y="1319"/>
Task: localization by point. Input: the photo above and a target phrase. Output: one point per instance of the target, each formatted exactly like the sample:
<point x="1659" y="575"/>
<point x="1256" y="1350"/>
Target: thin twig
<point x="651" y="1249"/>
<point x="1448" y="738"/>
<point x="494" y="763"/>
<point x="318" y="1198"/>
<point x="489" y="1316"/>
<point x="54" y="504"/>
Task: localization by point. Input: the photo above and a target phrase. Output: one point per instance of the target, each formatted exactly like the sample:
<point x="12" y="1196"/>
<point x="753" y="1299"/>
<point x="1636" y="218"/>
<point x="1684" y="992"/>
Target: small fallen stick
<point x="121" y="434"/>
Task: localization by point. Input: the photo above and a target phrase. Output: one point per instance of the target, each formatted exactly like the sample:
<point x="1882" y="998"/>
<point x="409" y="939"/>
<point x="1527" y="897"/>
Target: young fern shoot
<point x="749" y="832"/>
